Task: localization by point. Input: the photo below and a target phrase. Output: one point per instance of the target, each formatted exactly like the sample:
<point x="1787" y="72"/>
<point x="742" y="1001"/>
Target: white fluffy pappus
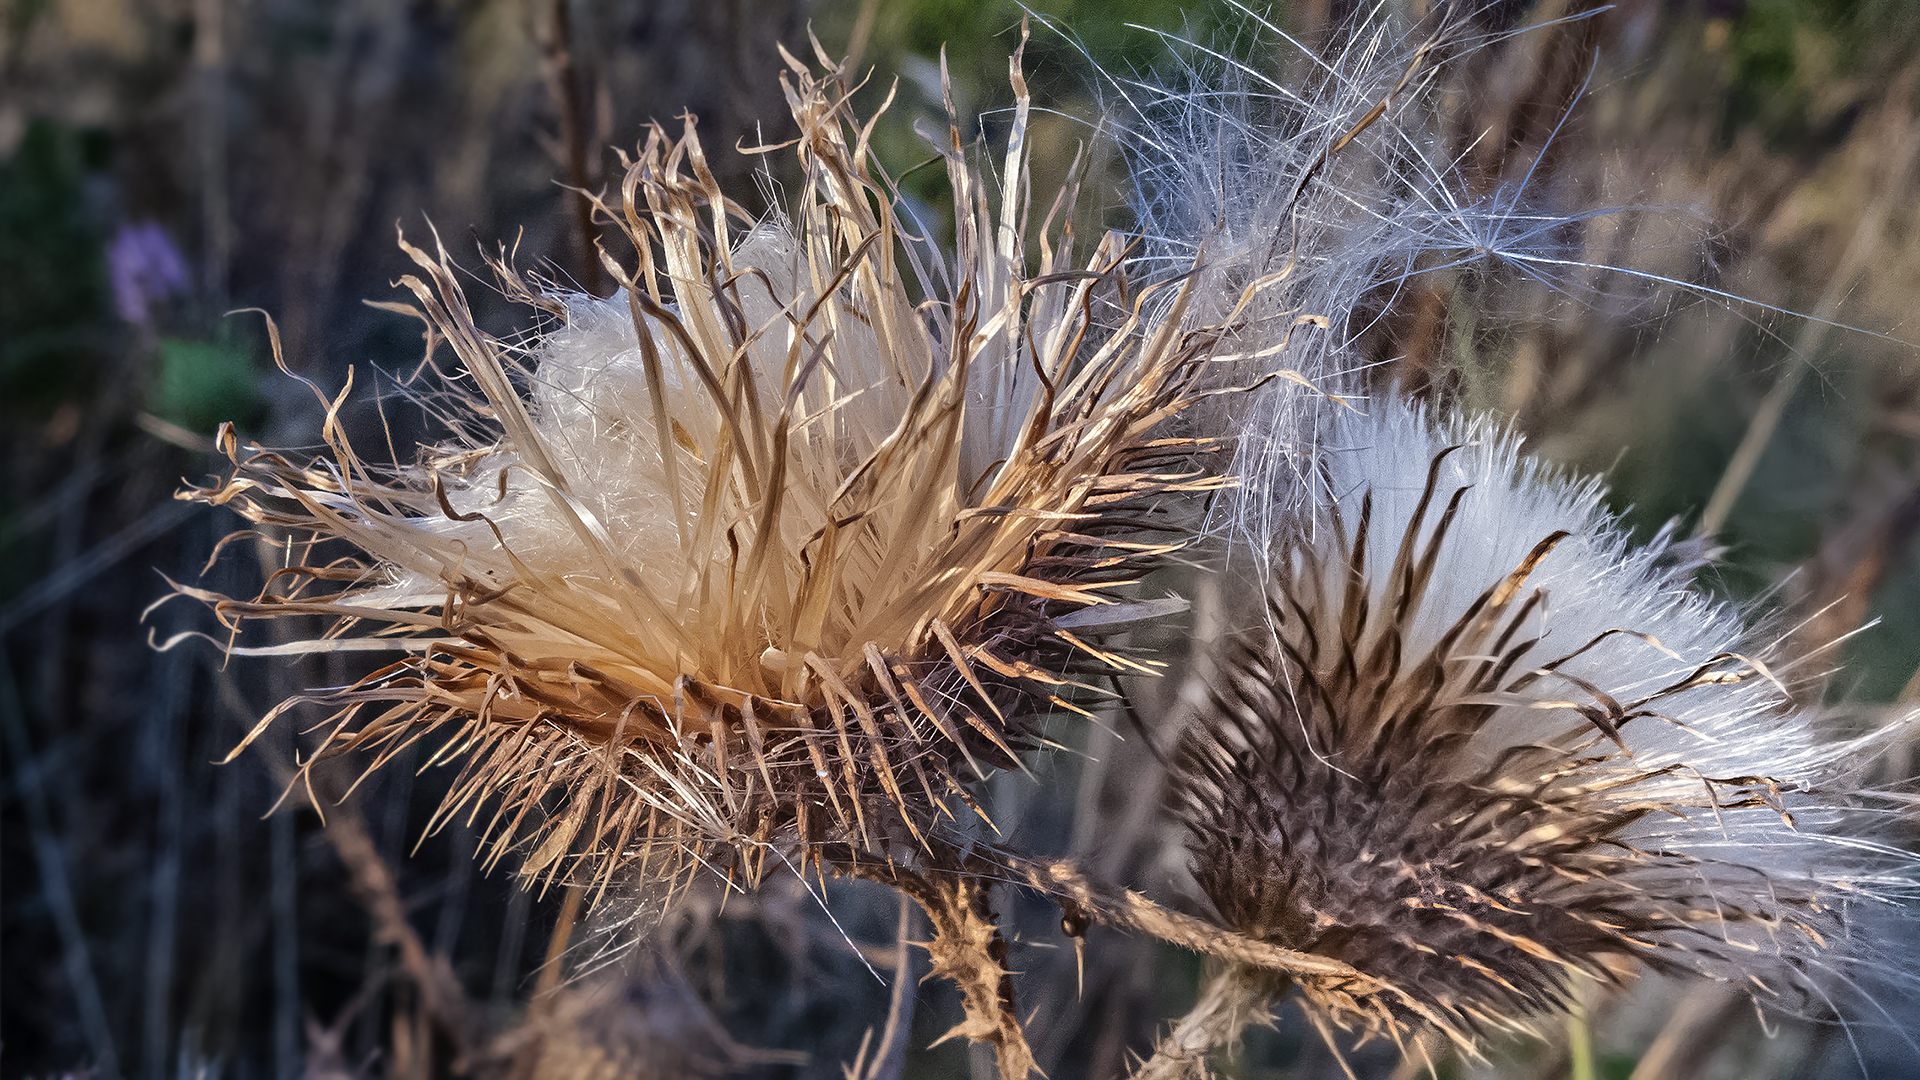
<point x="1303" y="203"/>
<point x="1333" y="196"/>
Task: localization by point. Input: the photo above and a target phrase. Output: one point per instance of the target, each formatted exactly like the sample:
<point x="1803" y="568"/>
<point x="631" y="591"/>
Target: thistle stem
<point x="1580" y="1033"/>
<point x="969" y="950"/>
<point x="1128" y="910"/>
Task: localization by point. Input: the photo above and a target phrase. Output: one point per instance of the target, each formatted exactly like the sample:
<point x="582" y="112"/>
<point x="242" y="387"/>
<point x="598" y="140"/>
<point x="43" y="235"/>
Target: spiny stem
<point x="967" y="949"/>
<point x="1580" y="1032"/>
<point x="1129" y="910"/>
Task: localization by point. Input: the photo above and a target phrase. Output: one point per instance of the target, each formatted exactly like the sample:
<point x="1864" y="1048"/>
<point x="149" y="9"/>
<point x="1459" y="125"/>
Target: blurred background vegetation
<point x="165" y="162"/>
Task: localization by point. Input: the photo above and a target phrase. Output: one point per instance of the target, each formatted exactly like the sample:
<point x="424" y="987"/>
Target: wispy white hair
<point x="1305" y="206"/>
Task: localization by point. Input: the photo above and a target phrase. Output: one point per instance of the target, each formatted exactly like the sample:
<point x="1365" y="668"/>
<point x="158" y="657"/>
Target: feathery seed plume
<point x="1299" y="206"/>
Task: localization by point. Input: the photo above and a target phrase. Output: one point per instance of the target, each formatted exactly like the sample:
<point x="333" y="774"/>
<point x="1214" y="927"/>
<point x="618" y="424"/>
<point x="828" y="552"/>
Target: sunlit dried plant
<point x="759" y="551"/>
<point x="776" y="551"/>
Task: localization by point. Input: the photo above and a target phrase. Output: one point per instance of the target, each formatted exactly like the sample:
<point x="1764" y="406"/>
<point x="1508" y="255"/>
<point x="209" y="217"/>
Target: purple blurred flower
<point x="145" y="267"/>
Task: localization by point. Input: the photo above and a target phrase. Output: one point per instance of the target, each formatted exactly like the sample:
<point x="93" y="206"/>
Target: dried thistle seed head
<point x="763" y="552"/>
<point x="1480" y="744"/>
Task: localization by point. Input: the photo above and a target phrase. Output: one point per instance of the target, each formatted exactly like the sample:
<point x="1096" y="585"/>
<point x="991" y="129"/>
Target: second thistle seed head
<point x="766" y="554"/>
<point x="1480" y="745"/>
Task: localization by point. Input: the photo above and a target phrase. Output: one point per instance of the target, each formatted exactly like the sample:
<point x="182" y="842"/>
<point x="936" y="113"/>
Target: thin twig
<point x="442" y="998"/>
<point x="75" y="573"/>
<point x="283" y="898"/>
<point x="210" y="72"/>
<point x="557" y="944"/>
<point x="175" y="675"/>
<point x="563" y="79"/>
<point x="1813" y="331"/>
<point x="1697" y="1028"/>
<point x="513" y="936"/>
<point x="890" y="1057"/>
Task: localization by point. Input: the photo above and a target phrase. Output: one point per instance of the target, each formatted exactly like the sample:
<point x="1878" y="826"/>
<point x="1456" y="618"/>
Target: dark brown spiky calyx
<point x="1473" y="894"/>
